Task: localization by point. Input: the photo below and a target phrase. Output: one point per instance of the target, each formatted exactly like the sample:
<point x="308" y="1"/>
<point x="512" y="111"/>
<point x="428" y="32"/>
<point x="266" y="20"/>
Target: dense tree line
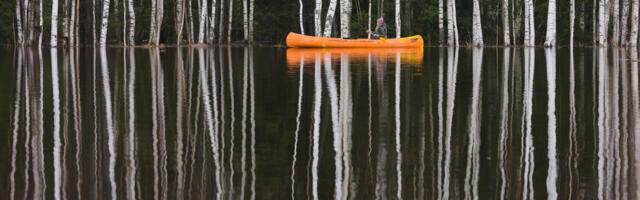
<point x="470" y="22"/>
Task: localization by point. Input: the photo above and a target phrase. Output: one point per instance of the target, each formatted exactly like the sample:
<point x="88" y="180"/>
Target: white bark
<point x="230" y="21"/>
<point x="40" y="27"/>
<point x="623" y="25"/>
<point x="300" y="17"/>
<point x="328" y="25"/>
<point x="529" y="29"/>
<point x="572" y="17"/>
<point x="477" y="24"/>
<point x="316" y="18"/>
<point x="245" y="20"/>
<point x="633" y="35"/>
<point x="152" y="29"/>
<point x="19" y="22"/>
<point x="345" y="18"/>
<point x="369" y="21"/>
<point x="72" y="25"/>
<point x="159" y="16"/>
<point x="212" y="22"/>
<point x="132" y="22"/>
<point x="452" y="27"/>
<point x="203" y="21"/>
<point x="221" y="27"/>
<point x="398" y="22"/>
<point x="505" y="22"/>
<point x="179" y="15"/>
<point x="190" y="22"/>
<point x="54" y="23"/>
<point x="251" y="6"/>
<point x="616" y="22"/>
<point x="551" y="25"/>
<point x="105" y="22"/>
<point x="602" y="4"/>
<point x="440" y="22"/>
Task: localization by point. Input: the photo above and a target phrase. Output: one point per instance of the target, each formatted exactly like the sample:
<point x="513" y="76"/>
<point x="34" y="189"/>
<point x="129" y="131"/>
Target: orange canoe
<point x="304" y="41"/>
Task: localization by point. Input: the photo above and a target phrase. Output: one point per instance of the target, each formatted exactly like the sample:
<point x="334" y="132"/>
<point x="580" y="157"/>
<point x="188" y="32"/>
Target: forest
<point x="440" y="22"/>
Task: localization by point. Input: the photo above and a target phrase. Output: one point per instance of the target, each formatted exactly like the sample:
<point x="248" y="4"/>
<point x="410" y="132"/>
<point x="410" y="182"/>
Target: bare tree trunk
<point x="152" y="29"/>
<point x="398" y="22"/>
<point x="212" y="22"/>
<point x="132" y="23"/>
<point x="203" y="22"/>
<point x="602" y="27"/>
<point x="369" y="21"/>
<point x="452" y="27"/>
<point x="624" y="25"/>
<point x="345" y="18"/>
<point x="65" y="22"/>
<point x="616" y="22"/>
<point x="317" y="21"/>
<point x="40" y="28"/>
<point x="505" y="22"/>
<point x="77" y="24"/>
<point x="230" y="21"/>
<point x="105" y="22"/>
<point x="633" y="35"/>
<point x="440" y="23"/>
<point x="529" y="28"/>
<point x="594" y="25"/>
<point x="477" y="24"/>
<point x="72" y="25"/>
<point x="245" y="20"/>
<point x="189" y="22"/>
<point x="300" y="17"/>
<point x="551" y="25"/>
<point x="179" y="20"/>
<point x="329" y="19"/>
<point x="572" y="16"/>
<point x="251" y="6"/>
<point x="221" y="27"/>
<point x="93" y="22"/>
<point x="19" y="23"/>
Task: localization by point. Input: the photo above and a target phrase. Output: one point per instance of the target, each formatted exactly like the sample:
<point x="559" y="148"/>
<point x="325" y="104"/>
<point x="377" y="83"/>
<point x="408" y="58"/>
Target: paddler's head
<point x="380" y="21"/>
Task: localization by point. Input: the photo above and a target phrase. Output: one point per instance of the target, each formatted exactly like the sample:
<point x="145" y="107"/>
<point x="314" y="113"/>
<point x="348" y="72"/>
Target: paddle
<point x="383" y="39"/>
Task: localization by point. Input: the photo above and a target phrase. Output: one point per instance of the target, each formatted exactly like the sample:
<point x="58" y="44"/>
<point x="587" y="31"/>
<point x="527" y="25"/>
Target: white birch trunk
<point x="65" y="22"/>
<point x="505" y="23"/>
<point x="616" y="22"/>
<point x="633" y="34"/>
<point x="212" y="22"/>
<point x="369" y="21"/>
<point x="179" y="15"/>
<point x="601" y="22"/>
<point x="230" y="21"/>
<point x="54" y="23"/>
<point x="529" y="29"/>
<point x="345" y="17"/>
<point x="203" y="22"/>
<point x="551" y="25"/>
<point x="40" y="27"/>
<point x="398" y="22"/>
<point x="329" y="19"/>
<point x="623" y="23"/>
<point x="452" y="37"/>
<point x="440" y="22"/>
<point x="105" y="22"/>
<point x="132" y="23"/>
<point x="189" y="22"/>
<point x="300" y="17"/>
<point x="19" y="23"/>
<point x="572" y="17"/>
<point x="221" y="27"/>
<point x="317" y="22"/>
<point x="152" y="29"/>
<point x="72" y="25"/>
<point x="477" y="24"/>
<point x="159" y="17"/>
<point x="245" y="20"/>
<point x="251" y="6"/>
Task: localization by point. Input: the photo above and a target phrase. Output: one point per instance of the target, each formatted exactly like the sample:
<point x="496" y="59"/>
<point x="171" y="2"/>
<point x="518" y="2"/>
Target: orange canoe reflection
<point x="411" y="56"/>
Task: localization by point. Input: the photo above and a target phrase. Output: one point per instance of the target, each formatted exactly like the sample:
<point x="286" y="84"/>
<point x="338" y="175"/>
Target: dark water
<point x="270" y="123"/>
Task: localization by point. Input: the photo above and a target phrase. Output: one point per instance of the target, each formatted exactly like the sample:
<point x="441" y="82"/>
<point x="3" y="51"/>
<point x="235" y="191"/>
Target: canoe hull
<point x="303" y="41"/>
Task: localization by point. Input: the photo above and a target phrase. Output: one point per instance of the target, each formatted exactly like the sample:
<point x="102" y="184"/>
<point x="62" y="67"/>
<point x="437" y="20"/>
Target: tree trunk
<point x="72" y="25"/>
<point x="616" y="22"/>
<point x="529" y="28"/>
<point x="398" y="22"/>
<point x="345" y="17"/>
<point x="452" y="36"/>
<point x="230" y="21"/>
<point x="203" y="21"/>
<point x="251" y="6"/>
<point x="594" y="25"/>
<point x="329" y="19"/>
<point x="300" y="17"/>
<point x="189" y="22"/>
<point x="505" y="22"/>
<point x="551" y="25"/>
<point x="19" y="23"/>
<point x="624" y="25"/>
<point x="380" y="8"/>
<point x="105" y="22"/>
<point x="159" y="17"/>
<point x="132" y="23"/>
<point x="317" y="21"/>
<point x="40" y="27"/>
<point x="245" y="20"/>
<point x="440" y="23"/>
<point x="221" y="27"/>
<point x="633" y="35"/>
<point x="477" y="24"/>
<point x="179" y="20"/>
<point x="369" y="21"/>
<point x="212" y="22"/>
<point x="65" y="22"/>
<point x="152" y="29"/>
<point x="601" y="22"/>
<point x="572" y="16"/>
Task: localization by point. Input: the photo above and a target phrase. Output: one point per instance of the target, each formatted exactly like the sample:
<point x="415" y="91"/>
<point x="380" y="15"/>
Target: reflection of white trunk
<point x="109" y="118"/>
<point x="635" y="111"/>
<point x="477" y="24"/>
<point x="504" y="119"/>
<point x="245" y="81"/>
<point x="452" y="71"/>
<point x="397" y="115"/>
<point x="295" y="141"/>
<point x="57" y="144"/>
<point x="253" y="116"/>
<point x="337" y="132"/>
<point x="329" y="18"/>
<point x="602" y="64"/>
<point x="316" y="124"/>
<point x="345" y="123"/>
<point x="473" y="151"/>
<point x="16" y="125"/>
<point x="440" y="122"/>
<point x="552" y="170"/>
<point x="131" y="180"/>
<point x="551" y="24"/>
<point x="572" y="123"/>
<point x="317" y="21"/>
<point x="528" y="159"/>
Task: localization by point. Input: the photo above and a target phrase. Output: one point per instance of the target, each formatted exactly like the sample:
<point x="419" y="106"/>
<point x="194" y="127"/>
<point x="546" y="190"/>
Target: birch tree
<point x="203" y="21"/>
<point x="572" y="16"/>
<point x="623" y="23"/>
<point x="550" y="40"/>
<point x="300" y="17"/>
<point x="132" y="22"/>
<point x="189" y="22"/>
<point x="19" y="23"/>
<point x="505" y="22"/>
<point x="230" y="21"/>
<point x="452" y="26"/>
<point x="329" y="19"/>
<point x="369" y="21"/>
<point x="105" y="22"/>
<point x="221" y="27"/>
<point x="72" y="25"/>
<point x="601" y="22"/>
<point x="398" y="22"/>
<point x="179" y="21"/>
<point x="152" y="28"/>
<point x="54" y="23"/>
<point x="477" y="24"/>
<point x="316" y="18"/>
<point x="529" y="28"/>
<point x="251" y="6"/>
<point x="345" y="18"/>
<point x="212" y="22"/>
<point x="616" y="22"/>
<point x="440" y="22"/>
<point x="245" y="20"/>
<point x="633" y="35"/>
<point x="159" y="16"/>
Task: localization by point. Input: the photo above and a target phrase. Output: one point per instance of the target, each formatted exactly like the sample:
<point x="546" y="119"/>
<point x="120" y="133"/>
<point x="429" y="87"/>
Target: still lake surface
<point x="273" y="123"/>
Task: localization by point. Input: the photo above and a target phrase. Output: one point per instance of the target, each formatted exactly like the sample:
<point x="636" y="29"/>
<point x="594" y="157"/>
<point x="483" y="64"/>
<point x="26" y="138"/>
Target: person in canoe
<point x="380" y="31"/>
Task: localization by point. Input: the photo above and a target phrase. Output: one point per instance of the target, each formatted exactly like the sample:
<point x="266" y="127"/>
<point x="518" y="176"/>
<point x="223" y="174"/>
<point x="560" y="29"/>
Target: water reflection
<point x="209" y="123"/>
